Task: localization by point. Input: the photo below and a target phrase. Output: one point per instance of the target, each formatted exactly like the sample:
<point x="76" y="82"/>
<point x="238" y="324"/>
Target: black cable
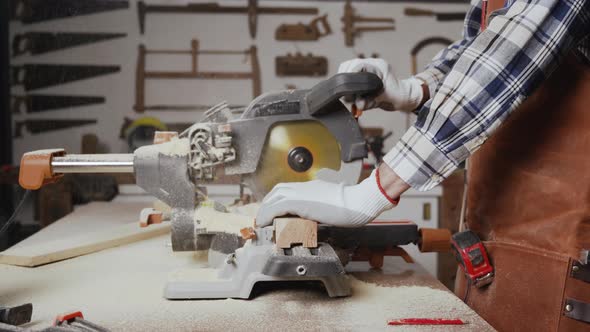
<point x="15" y="213"/>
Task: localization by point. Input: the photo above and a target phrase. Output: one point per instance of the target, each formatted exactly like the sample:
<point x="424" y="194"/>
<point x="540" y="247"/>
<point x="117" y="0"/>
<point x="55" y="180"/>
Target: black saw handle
<point x="325" y="96"/>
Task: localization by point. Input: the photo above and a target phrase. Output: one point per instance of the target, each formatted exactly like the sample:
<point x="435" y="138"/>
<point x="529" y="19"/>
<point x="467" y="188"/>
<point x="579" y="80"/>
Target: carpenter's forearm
<point x="393" y="185"/>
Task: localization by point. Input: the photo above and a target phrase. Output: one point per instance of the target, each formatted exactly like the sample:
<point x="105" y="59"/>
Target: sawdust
<point x="247" y="210"/>
<point x="175" y="147"/>
<point x="121" y="289"/>
<point x="434" y="303"/>
<point x="215" y="221"/>
<point x="194" y="274"/>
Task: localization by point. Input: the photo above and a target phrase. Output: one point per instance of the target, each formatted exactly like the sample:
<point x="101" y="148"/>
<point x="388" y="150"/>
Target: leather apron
<point x="528" y="199"/>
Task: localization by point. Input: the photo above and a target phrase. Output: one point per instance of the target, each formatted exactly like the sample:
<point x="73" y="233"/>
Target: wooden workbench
<point x="121" y="288"/>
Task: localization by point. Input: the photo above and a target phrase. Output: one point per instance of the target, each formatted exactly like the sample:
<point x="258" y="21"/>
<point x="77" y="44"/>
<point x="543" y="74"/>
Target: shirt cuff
<point x="432" y="78"/>
<point x="417" y="161"/>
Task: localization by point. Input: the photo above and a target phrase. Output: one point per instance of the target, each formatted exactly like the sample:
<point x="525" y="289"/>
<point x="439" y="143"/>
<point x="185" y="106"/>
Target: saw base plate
<point x="260" y="261"/>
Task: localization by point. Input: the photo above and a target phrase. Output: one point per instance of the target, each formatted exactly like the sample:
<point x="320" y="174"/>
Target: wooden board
<point x="76" y="235"/>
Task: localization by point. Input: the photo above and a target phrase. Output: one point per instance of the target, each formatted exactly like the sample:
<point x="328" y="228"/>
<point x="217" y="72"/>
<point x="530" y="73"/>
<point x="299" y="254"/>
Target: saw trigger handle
<point x="36" y="170"/>
<point x="325" y="96"/>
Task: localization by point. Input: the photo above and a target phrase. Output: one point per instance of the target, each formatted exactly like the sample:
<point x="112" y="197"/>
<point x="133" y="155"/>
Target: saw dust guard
<point x="294" y="135"/>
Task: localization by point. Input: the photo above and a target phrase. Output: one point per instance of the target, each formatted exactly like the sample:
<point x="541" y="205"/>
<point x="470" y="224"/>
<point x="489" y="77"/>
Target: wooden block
<point x="248" y="233"/>
<point x="164" y="136"/>
<point x="150" y="216"/>
<point x="292" y="231"/>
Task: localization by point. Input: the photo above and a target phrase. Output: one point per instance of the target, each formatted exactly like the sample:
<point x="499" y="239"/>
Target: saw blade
<point x="294" y="152"/>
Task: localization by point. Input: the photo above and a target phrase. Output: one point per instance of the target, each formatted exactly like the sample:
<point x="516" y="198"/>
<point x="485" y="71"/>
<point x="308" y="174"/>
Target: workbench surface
<point x="121" y="288"/>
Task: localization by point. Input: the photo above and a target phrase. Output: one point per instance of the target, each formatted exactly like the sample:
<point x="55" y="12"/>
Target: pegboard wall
<point x="226" y="32"/>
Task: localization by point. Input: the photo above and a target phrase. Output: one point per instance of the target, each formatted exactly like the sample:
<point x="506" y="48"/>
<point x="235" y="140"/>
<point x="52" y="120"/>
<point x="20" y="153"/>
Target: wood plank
<point x="90" y="228"/>
<point x="61" y="249"/>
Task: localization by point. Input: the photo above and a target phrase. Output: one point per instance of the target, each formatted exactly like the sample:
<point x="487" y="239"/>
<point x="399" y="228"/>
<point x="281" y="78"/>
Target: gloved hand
<point x="325" y="202"/>
<point x="398" y="95"/>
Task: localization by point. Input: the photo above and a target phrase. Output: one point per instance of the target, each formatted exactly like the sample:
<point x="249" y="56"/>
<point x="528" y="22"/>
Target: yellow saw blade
<point x="294" y="152"/>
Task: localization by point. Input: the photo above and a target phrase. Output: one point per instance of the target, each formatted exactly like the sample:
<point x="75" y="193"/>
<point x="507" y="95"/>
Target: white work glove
<point x="398" y="95"/>
<point x="325" y="202"/>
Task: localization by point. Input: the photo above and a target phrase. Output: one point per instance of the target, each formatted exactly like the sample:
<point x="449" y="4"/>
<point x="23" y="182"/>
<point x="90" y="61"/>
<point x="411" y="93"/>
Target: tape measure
<point x="473" y="258"/>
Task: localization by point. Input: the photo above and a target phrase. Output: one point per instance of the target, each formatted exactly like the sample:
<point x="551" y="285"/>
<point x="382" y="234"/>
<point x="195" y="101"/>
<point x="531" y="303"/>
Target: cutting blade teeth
<point x="294" y="152"/>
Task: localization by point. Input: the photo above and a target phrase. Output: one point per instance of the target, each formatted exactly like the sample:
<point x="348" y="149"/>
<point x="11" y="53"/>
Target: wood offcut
<point x="295" y="231"/>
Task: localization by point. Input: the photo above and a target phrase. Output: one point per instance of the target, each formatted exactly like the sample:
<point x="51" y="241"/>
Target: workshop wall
<point x="226" y="32"/>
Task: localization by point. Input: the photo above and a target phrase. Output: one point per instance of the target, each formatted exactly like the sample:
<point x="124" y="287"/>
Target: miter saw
<point x="286" y="136"/>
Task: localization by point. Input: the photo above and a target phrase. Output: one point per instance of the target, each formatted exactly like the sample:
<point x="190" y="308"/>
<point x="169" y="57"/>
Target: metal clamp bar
<point x="93" y="163"/>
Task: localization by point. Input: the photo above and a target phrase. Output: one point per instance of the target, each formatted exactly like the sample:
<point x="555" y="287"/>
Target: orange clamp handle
<point x="434" y="240"/>
<point x="67" y="318"/>
<point x="35" y="168"/>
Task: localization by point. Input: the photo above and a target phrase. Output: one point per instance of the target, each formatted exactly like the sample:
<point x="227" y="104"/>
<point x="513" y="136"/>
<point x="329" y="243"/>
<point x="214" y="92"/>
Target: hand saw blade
<point x="44" y="42"/>
<point x="444" y="17"/>
<point x="32" y="11"/>
<point x="34" y="103"/>
<point x="36" y="76"/>
<point x="296" y="152"/>
<point x="42" y="126"/>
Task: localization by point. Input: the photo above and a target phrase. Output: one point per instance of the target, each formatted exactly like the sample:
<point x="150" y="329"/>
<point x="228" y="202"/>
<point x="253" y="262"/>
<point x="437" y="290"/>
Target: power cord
<point x="15" y="213"/>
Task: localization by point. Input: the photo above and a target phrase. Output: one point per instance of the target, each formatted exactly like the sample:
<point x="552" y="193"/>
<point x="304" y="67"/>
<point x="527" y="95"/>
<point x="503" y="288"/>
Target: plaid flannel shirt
<point x="477" y="82"/>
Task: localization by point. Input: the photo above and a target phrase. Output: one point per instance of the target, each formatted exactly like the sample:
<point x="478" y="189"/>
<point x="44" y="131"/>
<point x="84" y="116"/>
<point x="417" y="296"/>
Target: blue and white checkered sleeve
<point x="500" y="68"/>
<point x="442" y="63"/>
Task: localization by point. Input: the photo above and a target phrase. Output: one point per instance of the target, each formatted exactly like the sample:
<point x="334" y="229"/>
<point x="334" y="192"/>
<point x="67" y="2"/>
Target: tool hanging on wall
<point x="252" y="9"/>
<point x="44" y="42"/>
<point x="36" y="76"/>
<point x="424" y="43"/>
<point x="33" y="11"/>
<point x="34" y="103"/>
<point x="350" y="20"/>
<point x="194" y="73"/>
<point x="374" y="55"/>
<point x="301" y="65"/>
<point x="414" y="58"/>
<point x="43" y="126"/>
<point x="317" y="28"/>
<point x="442" y="17"/>
<point x="200" y="108"/>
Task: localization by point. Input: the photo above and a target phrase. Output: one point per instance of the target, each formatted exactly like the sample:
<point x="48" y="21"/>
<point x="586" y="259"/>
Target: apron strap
<point x="577" y="310"/>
